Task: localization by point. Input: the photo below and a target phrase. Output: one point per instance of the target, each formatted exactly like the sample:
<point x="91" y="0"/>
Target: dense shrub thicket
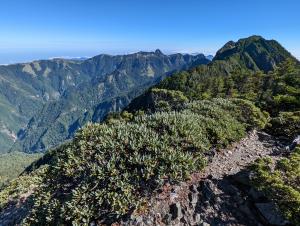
<point x="287" y="124"/>
<point x="276" y="91"/>
<point x="282" y="185"/>
<point x="158" y="100"/>
<point x="110" y="169"/>
<point x="162" y="100"/>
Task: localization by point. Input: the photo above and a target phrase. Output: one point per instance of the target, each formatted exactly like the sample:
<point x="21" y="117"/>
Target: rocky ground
<point x="220" y="195"/>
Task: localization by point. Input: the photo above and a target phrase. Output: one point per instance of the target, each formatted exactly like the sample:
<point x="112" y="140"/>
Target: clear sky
<point x="40" y="29"/>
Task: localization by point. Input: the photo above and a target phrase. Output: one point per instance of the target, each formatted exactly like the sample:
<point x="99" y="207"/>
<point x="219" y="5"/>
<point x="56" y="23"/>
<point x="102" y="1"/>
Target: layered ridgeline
<point x="110" y="169"/>
<point x="44" y="102"/>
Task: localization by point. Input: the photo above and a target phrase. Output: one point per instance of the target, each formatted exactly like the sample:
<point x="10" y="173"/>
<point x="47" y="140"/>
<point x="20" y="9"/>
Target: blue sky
<point x="40" y="29"/>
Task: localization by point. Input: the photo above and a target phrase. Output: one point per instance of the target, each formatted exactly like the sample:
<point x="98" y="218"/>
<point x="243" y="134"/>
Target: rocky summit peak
<point x="158" y="52"/>
<point x="259" y="53"/>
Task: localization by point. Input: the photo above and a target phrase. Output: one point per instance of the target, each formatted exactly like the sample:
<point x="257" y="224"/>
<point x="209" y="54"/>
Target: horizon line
<point x="85" y="57"/>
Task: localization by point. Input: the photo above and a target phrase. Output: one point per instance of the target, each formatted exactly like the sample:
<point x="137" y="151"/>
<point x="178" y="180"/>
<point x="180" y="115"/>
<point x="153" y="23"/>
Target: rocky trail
<point x="230" y="161"/>
<point x="220" y="195"/>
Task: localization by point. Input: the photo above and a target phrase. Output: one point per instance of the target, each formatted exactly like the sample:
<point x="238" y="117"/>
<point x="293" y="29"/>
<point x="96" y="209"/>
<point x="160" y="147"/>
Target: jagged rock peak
<point x="158" y="52"/>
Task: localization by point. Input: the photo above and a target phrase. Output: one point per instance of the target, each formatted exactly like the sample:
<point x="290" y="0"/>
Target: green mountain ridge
<point x="40" y="87"/>
<point x="255" y="52"/>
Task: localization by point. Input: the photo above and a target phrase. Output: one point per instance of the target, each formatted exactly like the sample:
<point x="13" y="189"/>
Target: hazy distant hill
<point x="44" y="102"/>
<point x="209" y="57"/>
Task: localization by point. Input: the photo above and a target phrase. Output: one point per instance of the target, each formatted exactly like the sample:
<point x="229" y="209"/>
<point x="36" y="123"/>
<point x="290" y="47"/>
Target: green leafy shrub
<point x="287" y="124"/>
<point x="122" y="163"/>
<point x="175" y="99"/>
<point x="244" y="111"/>
<point x="117" y="116"/>
<point x="251" y="115"/>
<point x="20" y="187"/>
<point x="281" y="185"/>
<point x="158" y="100"/>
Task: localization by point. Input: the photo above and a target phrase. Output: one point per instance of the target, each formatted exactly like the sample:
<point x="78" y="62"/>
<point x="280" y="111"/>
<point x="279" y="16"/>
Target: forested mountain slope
<point x="24" y="88"/>
<point x="272" y="83"/>
<point x="43" y="92"/>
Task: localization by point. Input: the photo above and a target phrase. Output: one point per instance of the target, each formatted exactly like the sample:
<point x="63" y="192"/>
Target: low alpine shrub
<point x="111" y="169"/>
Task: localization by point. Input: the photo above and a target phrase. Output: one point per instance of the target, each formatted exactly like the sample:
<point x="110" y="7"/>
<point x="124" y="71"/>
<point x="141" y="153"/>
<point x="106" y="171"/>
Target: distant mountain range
<point x="209" y="57"/>
<point x="69" y="58"/>
<point x="44" y="102"/>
